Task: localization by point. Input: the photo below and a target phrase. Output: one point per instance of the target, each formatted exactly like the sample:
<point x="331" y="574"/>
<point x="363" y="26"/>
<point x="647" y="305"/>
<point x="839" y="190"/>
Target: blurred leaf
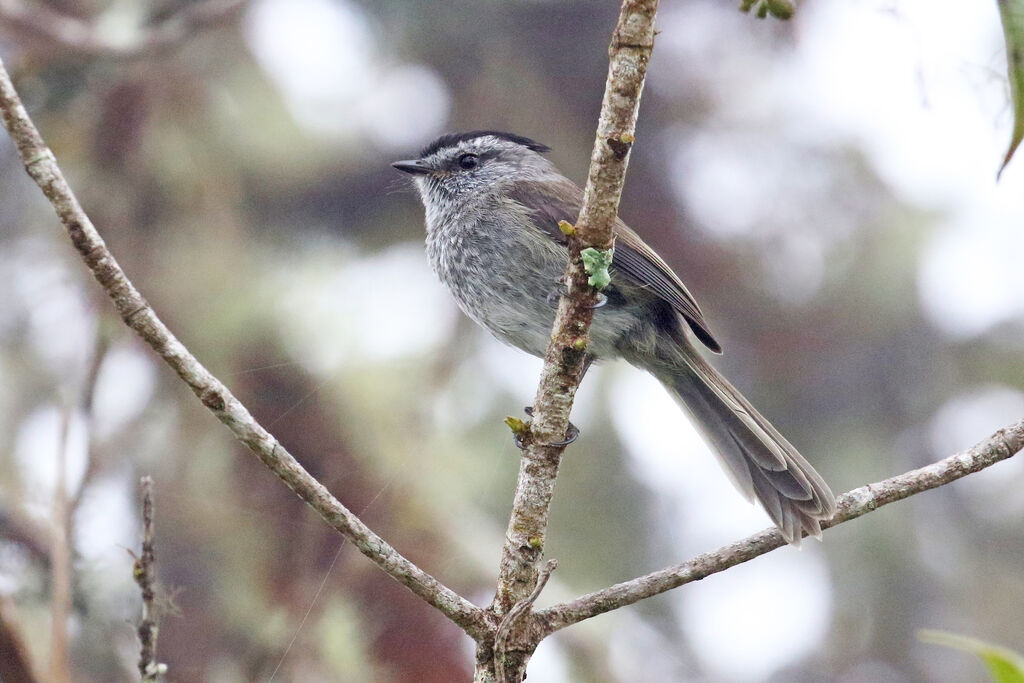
<point x="1012" y="14"/>
<point x="780" y="9"/>
<point x="1004" y="665"/>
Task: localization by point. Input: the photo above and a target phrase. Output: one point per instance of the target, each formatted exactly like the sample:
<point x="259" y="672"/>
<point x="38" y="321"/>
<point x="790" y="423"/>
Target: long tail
<point x="757" y="457"/>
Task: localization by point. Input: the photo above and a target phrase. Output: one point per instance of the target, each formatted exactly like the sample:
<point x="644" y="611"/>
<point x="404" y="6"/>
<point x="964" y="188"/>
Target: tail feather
<point x="758" y="459"/>
<point x="792" y="483"/>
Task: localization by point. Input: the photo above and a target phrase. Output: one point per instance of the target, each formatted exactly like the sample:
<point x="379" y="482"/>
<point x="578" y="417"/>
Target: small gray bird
<point x="493" y="204"/>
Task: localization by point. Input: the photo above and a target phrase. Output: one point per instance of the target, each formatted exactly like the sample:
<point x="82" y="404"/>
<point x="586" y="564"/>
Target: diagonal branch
<point x="137" y="314"/>
<point x="1002" y="445"/>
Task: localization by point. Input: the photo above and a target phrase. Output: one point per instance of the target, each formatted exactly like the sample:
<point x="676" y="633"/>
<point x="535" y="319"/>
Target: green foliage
<point x="1004" y="665"/>
<point x="780" y="9"/>
<point x="596" y="263"/>
<point x="1012" y="14"/>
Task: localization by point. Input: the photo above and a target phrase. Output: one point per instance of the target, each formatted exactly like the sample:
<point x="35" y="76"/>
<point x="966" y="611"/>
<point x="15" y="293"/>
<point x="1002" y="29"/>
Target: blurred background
<point x="826" y="187"/>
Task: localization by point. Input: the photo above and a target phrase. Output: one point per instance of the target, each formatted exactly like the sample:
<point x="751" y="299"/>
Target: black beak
<point x="413" y="166"/>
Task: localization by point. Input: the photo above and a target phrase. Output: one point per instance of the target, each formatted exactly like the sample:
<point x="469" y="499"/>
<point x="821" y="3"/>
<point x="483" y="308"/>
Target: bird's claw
<point x="571" y="434"/>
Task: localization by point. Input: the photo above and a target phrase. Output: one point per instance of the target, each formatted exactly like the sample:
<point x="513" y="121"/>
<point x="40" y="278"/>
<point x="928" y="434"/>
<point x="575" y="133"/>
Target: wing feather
<point x="551" y="202"/>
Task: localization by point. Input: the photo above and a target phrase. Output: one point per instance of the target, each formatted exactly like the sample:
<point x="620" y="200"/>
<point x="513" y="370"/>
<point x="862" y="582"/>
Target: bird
<point x="493" y="201"/>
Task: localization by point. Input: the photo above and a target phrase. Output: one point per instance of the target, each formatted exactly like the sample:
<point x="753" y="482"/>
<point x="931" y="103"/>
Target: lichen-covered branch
<point x="138" y="315"/>
<point x="37" y="22"/>
<point x="144" y="573"/>
<point x="566" y="356"/>
<point x="1002" y="445"/>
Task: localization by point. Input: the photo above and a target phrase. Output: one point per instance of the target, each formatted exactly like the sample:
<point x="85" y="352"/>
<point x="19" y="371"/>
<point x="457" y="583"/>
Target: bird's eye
<point x="468" y="161"/>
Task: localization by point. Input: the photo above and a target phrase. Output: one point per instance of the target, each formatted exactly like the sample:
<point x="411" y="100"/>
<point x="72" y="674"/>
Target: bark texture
<point x="565" y="360"/>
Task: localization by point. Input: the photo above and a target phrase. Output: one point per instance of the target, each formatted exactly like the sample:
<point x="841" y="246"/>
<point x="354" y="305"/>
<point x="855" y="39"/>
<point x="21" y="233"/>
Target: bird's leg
<point x="571" y="434"/>
<point x="588" y="360"/>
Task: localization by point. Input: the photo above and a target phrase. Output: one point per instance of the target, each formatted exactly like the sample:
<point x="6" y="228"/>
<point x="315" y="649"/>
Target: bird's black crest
<point x="455" y="138"/>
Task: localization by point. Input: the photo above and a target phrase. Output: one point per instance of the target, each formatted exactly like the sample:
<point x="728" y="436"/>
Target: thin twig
<point x="63" y="516"/>
<point x="87" y="400"/>
<point x="144" y="572"/>
<point x="851" y="505"/>
<point x="60" y="554"/>
<point x="40" y="23"/>
<point x="137" y="314"/>
<point x="515" y="615"/>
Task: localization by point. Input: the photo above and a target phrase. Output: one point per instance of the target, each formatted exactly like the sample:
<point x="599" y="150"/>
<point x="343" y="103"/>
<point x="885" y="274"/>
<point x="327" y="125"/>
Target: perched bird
<point x="493" y="203"/>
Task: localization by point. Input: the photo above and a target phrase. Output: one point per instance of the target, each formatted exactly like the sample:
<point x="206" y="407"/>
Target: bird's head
<point x="464" y="168"/>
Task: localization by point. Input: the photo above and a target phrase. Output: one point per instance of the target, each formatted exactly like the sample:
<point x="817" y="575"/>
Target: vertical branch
<point x="145" y="575"/>
<point x="566" y="356"/>
<point x="60" y="554"/>
<point x="563" y="364"/>
<point x="63" y="512"/>
<point x="512" y="619"/>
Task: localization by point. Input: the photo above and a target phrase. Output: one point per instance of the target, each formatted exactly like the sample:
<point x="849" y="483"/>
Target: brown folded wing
<point x="551" y="202"/>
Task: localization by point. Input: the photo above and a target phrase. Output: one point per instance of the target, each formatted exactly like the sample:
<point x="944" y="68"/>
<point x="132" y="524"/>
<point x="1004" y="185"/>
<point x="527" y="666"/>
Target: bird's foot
<point x="571" y="434"/>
